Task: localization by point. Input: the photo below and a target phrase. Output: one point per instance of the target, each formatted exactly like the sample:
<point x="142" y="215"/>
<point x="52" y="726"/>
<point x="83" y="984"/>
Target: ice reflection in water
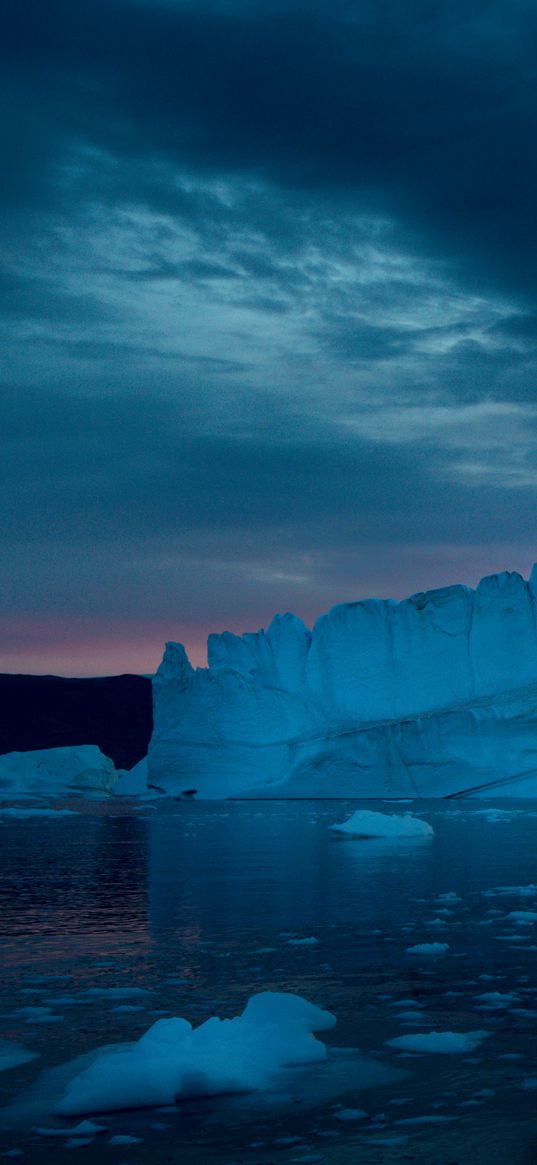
<point x="197" y="903"/>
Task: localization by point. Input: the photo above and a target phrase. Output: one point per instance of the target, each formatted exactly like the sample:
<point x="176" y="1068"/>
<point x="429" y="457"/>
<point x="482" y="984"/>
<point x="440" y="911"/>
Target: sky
<point x="268" y="314"/>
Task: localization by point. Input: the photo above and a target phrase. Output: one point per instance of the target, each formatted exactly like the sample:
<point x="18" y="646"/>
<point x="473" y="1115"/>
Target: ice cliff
<point x="432" y="696"/>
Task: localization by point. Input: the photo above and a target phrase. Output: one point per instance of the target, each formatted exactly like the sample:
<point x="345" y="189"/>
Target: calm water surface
<point x="196" y="904"/>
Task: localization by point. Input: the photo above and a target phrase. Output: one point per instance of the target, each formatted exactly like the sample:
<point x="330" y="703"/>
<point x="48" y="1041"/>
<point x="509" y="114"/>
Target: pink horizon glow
<point x="37" y="646"/>
<point x="79" y="646"/>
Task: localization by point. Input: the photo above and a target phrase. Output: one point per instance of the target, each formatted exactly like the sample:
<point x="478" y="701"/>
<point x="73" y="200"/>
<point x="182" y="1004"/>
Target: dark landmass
<point x="114" y="712"/>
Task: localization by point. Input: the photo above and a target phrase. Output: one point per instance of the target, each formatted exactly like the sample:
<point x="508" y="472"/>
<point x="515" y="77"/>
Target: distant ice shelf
<point x="433" y="696"/>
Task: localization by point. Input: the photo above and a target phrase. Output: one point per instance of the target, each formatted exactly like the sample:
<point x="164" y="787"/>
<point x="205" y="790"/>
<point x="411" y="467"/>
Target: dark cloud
<point x="427" y="112"/>
<point x="269" y="306"/>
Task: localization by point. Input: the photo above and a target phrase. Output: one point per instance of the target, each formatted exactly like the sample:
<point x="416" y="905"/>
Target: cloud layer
<point x="269" y="317"/>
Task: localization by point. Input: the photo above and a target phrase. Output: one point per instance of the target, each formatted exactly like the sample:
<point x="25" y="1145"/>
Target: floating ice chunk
<point x="19" y="813"/>
<point x="428" y="949"/>
<point x="445" y="1043"/>
<point x="123" y="1139"/>
<point x="117" y="992"/>
<point x="496" y="1000"/>
<point x="302" y="942"/>
<point x="173" y="1061"/>
<point x="516" y="891"/>
<point x="365" y="823"/>
<point x="36" y="1015"/>
<point x="83" y="1129"/>
<point x="426" y="1120"/>
<point x="351" y="1114"/>
<point x="523" y="916"/>
<point x="12" y="1054"/>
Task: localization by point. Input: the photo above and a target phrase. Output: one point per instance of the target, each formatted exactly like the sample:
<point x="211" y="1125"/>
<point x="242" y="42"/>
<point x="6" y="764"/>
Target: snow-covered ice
<point x="174" y="1061"/>
<point x="366" y="823"/>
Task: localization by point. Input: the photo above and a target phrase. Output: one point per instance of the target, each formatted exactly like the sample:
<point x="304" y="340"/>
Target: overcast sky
<point x="269" y="314"/>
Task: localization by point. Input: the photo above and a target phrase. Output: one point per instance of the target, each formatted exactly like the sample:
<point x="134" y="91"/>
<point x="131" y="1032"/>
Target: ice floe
<point x="174" y="1061"/>
<point x="444" y="1043"/>
<point x="366" y="823"/>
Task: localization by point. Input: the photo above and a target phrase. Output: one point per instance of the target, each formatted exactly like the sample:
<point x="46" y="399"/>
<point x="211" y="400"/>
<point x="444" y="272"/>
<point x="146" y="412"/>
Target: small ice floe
<point x="426" y="1120"/>
<point x="124" y="1139"/>
<point x="15" y="811"/>
<point x="526" y="917"/>
<point x="432" y="949"/>
<point x="302" y="942"/>
<point x="389" y="1142"/>
<point x="351" y="1114"/>
<point x="83" y="1129"/>
<point x="443" y="1043"/>
<point x="173" y="1061"/>
<point x="36" y="1015"/>
<point x="12" y="1054"/>
<point x="366" y="823"/>
<point x="496" y="1000"/>
<point x="114" y="993"/>
<point x="494" y="815"/>
<point x="528" y="891"/>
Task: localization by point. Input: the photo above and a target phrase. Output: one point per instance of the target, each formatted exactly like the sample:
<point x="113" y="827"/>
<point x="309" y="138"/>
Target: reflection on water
<point x="197" y="904"/>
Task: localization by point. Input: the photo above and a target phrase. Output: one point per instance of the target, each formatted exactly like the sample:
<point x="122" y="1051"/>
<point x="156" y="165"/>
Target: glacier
<point x="431" y="696"/>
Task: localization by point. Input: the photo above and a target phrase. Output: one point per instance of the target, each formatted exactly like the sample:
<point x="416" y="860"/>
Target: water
<point x="195" y="903"/>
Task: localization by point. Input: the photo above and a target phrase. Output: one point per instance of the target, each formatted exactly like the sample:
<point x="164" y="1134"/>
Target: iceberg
<point x="174" y="1061"/>
<point x="56" y="772"/>
<point x="433" y="696"/>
